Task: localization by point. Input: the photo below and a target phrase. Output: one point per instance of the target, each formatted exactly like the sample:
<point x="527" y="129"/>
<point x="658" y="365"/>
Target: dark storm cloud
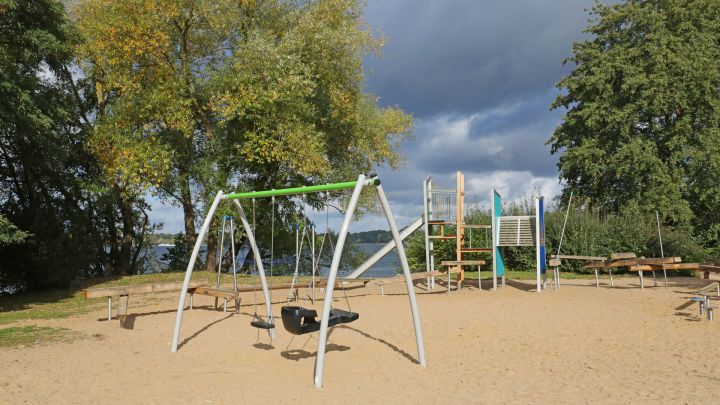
<point x="466" y="56"/>
<point x="507" y="138"/>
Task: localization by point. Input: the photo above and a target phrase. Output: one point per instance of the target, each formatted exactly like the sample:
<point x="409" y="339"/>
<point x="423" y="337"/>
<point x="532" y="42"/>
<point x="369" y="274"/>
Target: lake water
<point x="386" y="267"/>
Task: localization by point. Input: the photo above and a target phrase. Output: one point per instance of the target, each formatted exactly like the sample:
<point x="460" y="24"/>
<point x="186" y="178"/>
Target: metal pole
<point x="567" y="213"/>
<point x="426" y="227"/>
<point x="191" y="265"/>
<point x="657" y="218"/>
<point x="662" y="252"/>
<point x="109" y="308"/>
<point x="408" y="278"/>
<point x="232" y="250"/>
<point x="332" y="275"/>
<point x="297" y="190"/>
<point x="493" y="230"/>
<point x="387" y="248"/>
<point x="258" y="261"/>
<point x="562" y="235"/>
<point x="313" y="265"/>
<point x="222" y="245"/>
<point x="537" y="244"/>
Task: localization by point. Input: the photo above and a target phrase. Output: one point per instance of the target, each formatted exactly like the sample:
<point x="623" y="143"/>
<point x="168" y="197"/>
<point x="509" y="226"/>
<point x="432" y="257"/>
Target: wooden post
<point x="122" y="309"/>
<point x="460" y="223"/>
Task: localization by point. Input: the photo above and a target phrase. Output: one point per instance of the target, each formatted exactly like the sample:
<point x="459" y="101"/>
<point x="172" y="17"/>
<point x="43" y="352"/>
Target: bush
<point x="587" y="233"/>
<point x="177" y="256"/>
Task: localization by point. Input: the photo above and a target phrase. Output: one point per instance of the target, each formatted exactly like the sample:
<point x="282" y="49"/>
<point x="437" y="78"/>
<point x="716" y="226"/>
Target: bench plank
<point x="137" y="289"/>
<point x="594" y="265"/>
<point x="622" y="262"/>
<point x="463" y="263"/>
<point x="661" y="260"/>
<point x="676" y="266"/>
<point x="215" y="292"/>
<point x="710" y="268"/>
<point x="576" y="257"/>
<point x="622" y="255"/>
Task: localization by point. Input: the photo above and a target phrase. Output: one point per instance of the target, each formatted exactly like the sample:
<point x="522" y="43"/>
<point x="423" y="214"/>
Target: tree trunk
<point x="188" y="210"/>
<point x="212" y="247"/>
<point x="122" y="266"/>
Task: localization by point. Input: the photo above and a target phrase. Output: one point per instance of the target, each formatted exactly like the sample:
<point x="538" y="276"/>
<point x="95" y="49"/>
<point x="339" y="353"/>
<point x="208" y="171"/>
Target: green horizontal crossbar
<point x="300" y="190"/>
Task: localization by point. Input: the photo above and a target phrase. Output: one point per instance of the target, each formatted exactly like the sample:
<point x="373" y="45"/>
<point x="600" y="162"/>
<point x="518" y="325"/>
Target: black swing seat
<point x="299" y="320"/>
<point x="260" y="324"/>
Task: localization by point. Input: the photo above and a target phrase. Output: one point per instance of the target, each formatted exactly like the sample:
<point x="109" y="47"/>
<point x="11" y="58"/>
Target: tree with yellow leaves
<point x="198" y="95"/>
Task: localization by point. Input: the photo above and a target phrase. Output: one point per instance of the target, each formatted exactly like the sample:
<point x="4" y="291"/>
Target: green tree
<point x="40" y="155"/>
<point x="642" y="128"/>
<point x="198" y="95"/>
<point x="52" y="188"/>
<point x="9" y="233"/>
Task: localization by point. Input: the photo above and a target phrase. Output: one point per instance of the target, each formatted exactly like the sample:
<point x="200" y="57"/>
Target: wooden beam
<point x="215" y="292"/>
<point x="710" y="268"/>
<point x="463" y="263"/>
<point x="660" y="260"/>
<point x="137" y="289"/>
<point x="122" y="309"/>
<point x="676" y="266"/>
<point x="640" y="267"/>
<point x="476" y="250"/>
<point x="622" y="255"/>
<point x="439" y="272"/>
<point x="281" y="286"/>
<point x="622" y="263"/>
<point x="460" y="220"/>
<point x="574" y="257"/>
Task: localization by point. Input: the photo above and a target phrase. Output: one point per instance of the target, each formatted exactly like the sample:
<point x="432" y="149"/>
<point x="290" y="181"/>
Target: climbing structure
<point x="445" y="210"/>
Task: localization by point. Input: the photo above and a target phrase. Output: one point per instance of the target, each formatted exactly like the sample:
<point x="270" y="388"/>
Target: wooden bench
<point x="455" y="267"/>
<point x="707" y="268"/>
<point x="124" y="292"/>
<point x="660" y="264"/>
<point x="225" y="294"/>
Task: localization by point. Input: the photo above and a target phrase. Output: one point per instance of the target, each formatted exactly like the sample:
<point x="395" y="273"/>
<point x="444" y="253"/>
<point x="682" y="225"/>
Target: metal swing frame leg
<point x="193" y="258"/>
<point x="332" y="276"/>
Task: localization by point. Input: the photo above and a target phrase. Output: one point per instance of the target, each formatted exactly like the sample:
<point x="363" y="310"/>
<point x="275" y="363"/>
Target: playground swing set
<point x="296" y="319"/>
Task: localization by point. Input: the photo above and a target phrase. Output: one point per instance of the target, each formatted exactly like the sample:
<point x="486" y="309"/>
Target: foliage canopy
<point x="642" y="128"/>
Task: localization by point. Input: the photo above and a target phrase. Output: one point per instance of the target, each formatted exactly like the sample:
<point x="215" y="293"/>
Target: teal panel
<point x="497" y="211"/>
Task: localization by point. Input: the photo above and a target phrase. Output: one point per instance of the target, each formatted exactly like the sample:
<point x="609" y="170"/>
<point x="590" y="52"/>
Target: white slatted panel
<point x="516" y="231"/>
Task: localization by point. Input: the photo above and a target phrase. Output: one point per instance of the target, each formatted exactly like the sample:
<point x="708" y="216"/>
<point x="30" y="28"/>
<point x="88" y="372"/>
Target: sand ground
<point x="580" y="344"/>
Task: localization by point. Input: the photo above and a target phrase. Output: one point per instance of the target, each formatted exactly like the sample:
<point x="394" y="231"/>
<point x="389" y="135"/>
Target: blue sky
<point x="478" y="76"/>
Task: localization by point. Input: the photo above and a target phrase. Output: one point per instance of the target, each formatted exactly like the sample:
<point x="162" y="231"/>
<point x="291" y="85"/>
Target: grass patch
<point x="32" y="335"/>
<point x="63" y="303"/>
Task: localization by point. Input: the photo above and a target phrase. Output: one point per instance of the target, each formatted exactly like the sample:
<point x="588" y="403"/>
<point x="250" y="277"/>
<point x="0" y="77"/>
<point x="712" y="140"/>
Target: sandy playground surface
<point x="581" y="344"/>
